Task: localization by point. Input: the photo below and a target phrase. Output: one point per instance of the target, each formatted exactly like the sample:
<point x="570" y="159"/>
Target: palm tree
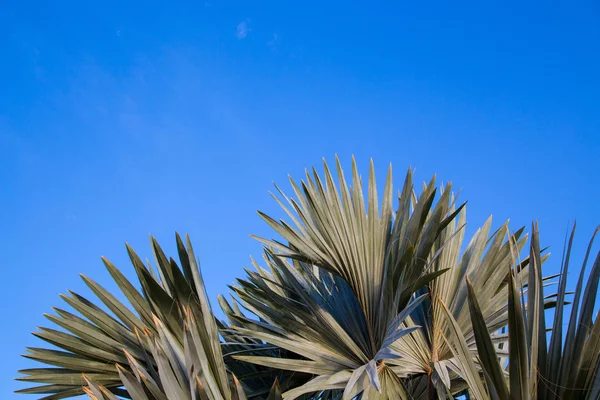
<point x="354" y="300"/>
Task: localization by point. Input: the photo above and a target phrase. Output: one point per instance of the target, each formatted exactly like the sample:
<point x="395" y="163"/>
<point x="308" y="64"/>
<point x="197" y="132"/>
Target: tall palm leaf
<point x="567" y="368"/>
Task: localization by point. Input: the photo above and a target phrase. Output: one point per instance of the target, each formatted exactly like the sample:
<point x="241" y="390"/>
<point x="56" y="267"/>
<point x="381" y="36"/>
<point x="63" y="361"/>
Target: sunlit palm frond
<point x="342" y="300"/>
<point x="165" y="346"/>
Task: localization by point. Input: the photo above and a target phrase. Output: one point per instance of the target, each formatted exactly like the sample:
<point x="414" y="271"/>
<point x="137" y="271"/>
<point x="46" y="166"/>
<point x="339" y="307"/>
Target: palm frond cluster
<point x="359" y="297"/>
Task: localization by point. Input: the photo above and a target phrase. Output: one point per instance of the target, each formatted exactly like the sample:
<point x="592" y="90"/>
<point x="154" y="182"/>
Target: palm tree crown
<point x="355" y="299"/>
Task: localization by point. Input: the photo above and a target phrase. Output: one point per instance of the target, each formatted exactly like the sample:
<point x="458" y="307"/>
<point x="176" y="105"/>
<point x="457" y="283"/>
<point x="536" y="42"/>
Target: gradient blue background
<point x="119" y="120"/>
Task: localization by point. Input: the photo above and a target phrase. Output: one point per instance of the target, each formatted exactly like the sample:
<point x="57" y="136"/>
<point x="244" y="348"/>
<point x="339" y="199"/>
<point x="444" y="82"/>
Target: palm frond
<point x="165" y="345"/>
<point x="338" y="293"/>
<point x="563" y="370"/>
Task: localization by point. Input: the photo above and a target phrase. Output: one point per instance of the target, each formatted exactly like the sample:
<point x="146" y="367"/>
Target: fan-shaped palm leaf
<point x="341" y="303"/>
<point x="166" y="347"/>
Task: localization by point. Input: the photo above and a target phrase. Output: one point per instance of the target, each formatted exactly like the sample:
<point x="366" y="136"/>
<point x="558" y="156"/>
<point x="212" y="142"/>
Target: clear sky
<point x="120" y="120"/>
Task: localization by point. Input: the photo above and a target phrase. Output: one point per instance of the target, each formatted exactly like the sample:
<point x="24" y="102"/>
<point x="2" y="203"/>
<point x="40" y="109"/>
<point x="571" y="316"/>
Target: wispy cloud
<point x="71" y="217"/>
<point x="243" y="29"/>
<point x="274" y="42"/>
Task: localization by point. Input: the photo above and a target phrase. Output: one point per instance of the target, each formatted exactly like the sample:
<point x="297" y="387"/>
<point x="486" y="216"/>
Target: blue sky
<point x="117" y="121"/>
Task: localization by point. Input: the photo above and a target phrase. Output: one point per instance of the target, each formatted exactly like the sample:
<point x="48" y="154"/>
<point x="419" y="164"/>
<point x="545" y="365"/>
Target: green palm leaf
<point x="535" y="370"/>
<point x="165" y="346"/>
<point x="338" y="293"/>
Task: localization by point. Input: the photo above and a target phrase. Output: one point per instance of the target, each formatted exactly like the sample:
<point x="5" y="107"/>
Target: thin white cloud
<point x="243" y="29"/>
<point x="70" y="217"/>
<point x="274" y="42"/>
